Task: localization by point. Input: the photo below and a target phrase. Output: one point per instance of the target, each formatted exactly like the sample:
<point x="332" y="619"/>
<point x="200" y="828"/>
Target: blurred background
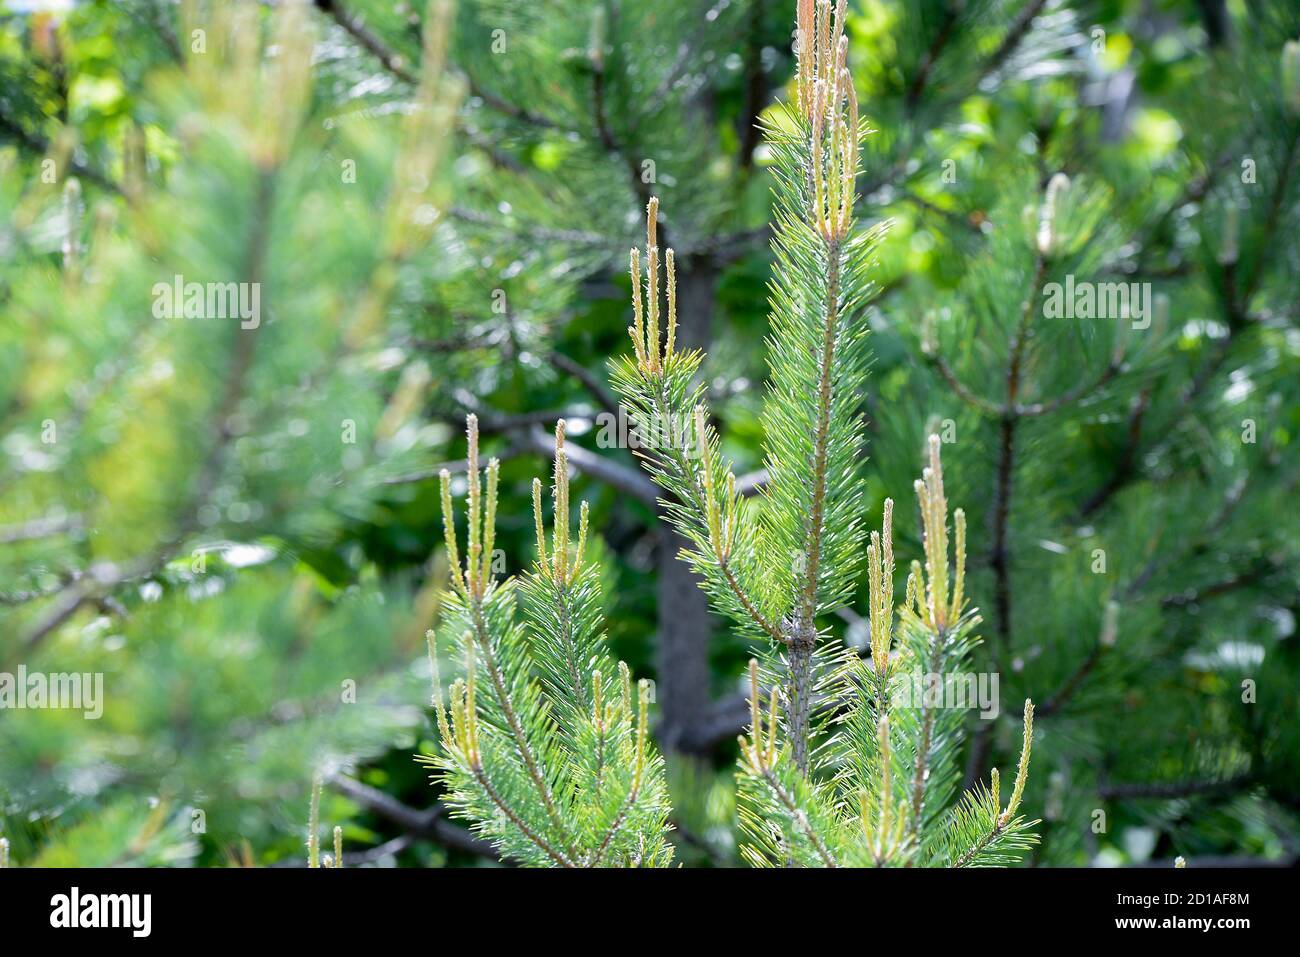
<point x="239" y="528"/>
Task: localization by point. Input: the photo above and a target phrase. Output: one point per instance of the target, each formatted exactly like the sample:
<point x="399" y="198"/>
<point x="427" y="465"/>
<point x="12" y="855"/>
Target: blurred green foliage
<point x="181" y="509"/>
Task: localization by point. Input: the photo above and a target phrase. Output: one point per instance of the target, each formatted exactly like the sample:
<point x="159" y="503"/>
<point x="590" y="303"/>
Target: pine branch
<point x="544" y="766"/>
<point x="1236" y="308"/>
<point x="589" y="381"/>
<point x="820" y="437"/>
<point x="428" y="825"/>
<point x="660" y="389"/>
<point x="921" y="771"/>
<point x="1006" y="827"/>
<point x="1015" y="35"/>
<point x="521" y="742"/>
<point x="1126" y="462"/>
<point x="1174" y="789"/>
<point x="794" y="809"/>
<point x="38" y="145"/>
<point x="946" y="28"/>
<point x="388" y="58"/>
<point x="555" y="855"/>
<point x="798" y="816"/>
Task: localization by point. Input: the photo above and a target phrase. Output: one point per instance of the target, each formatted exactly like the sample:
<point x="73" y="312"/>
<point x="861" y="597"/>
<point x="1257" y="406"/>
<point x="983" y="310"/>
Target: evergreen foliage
<point x="180" y="486"/>
<point x="545" y="747"/>
<point x="875" y="790"/>
<point x="239" y="528"/>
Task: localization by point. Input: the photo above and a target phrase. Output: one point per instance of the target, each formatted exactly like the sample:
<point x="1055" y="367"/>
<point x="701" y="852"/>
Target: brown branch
<point x="626" y="480"/>
<point x="541" y="233"/>
<point x="959" y="388"/>
<point x="1015" y="35"/>
<point x="371" y="855"/>
<point x="1000" y="557"/>
<point x="932" y="53"/>
<point x="489" y="424"/>
<point x="84" y="589"/>
<point x="1063" y="694"/>
<point x="431" y="824"/>
<point x="1244" y="579"/>
<point x="726" y="248"/>
<point x="591" y="383"/>
<point x="982" y="745"/>
<point x="37" y="144"/>
<point x="727" y="718"/>
<point x="455" y="467"/>
<point x="1271" y="220"/>
<point x="752" y="483"/>
<point x="756" y="89"/>
<point x="1077" y="394"/>
<point x="1125" y="467"/>
<point x="392" y="61"/>
<point x="1173" y="789"/>
<point x="951" y="216"/>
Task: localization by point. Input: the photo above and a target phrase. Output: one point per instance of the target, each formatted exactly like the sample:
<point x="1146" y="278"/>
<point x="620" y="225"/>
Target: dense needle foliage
<point x="1059" y="236"/>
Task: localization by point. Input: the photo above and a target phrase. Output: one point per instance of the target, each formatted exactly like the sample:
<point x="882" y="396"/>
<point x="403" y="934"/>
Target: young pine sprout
<point x="313" y="825"/>
<point x="844" y="764"/>
<point x="314" y="856"/>
<point x="877" y="796"/>
<point x="535" y="752"/>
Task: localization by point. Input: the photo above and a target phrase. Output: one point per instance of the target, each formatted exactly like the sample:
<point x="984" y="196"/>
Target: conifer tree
<point x="314" y="857"/>
<point x="181" y="485"/>
<point x="1128" y="462"/>
<point x="576" y="115"/>
<point x="545" y="747"/>
<point x="1126" y="485"/>
<point x="827" y="778"/>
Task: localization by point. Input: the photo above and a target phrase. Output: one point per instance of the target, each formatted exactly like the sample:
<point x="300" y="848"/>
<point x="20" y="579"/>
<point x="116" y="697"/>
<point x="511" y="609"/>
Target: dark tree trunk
<point x="1214" y="17"/>
<point x="683" y="656"/>
<point x="685" y="622"/>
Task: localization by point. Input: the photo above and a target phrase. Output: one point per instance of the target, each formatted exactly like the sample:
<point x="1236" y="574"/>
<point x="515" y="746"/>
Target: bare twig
<point x="591" y="383"/>
<point x="430" y="825"/>
<point x="626" y="480"/>
<point x="1173" y="789"/>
